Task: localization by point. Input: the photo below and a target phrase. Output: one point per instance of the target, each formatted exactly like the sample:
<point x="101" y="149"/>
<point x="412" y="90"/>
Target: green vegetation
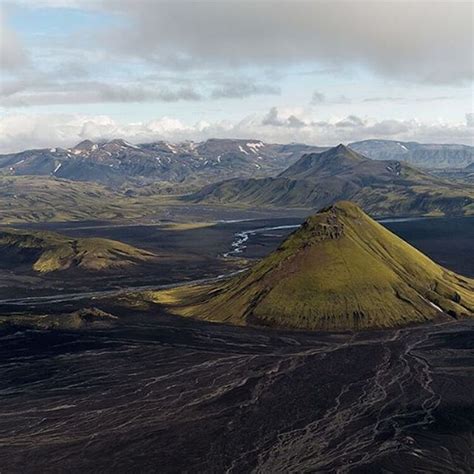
<point x="49" y="252"/>
<point x="81" y="319"/>
<point x="44" y="199"/>
<point x="321" y="179"/>
<point x="339" y="270"/>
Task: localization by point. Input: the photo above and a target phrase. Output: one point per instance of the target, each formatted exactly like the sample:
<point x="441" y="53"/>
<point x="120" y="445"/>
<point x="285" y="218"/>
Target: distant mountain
<point x="421" y="155"/>
<point x="340" y="270"/>
<point x="47" y="252"/>
<point x="118" y="162"/>
<point x="320" y="179"/>
<point x="461" y="175"/>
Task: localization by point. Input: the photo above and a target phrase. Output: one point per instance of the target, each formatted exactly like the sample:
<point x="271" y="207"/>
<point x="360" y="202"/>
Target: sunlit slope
<point x="320" y="179"/>
<point x="49" y="252"/>
<point x="339" y="270"/>
<point x="43" y="199"/>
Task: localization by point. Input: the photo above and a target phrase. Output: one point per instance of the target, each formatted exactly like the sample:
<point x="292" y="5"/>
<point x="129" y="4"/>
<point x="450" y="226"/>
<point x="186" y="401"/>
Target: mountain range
<point x="340" y="270"/>
<point x="320" y="179"/>
<point x="422" y="155"/>
<point x="116" y="162"/>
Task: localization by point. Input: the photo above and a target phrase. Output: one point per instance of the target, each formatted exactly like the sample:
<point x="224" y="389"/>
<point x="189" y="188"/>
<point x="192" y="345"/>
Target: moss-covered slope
<point x="49" y="252"/>
<point x="339" y="270"/>
<point x="320" y="179"/>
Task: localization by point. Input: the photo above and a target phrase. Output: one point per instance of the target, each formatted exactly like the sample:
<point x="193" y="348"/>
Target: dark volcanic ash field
<point x="181" y="396"/>
<point x="157" y="393"/>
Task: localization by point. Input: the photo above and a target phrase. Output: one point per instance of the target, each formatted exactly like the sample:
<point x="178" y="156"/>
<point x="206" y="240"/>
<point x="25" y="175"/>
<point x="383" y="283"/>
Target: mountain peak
<point x="328" y="223"/>
<point x="343" y="150"/>
<point x="340" y="270"/>
<point x="332" y="161"/>
<point x="85" y="145"/>
<point x="343" y="208"/>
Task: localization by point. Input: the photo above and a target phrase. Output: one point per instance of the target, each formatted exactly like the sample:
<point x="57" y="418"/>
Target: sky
<point x="318" y="72"/>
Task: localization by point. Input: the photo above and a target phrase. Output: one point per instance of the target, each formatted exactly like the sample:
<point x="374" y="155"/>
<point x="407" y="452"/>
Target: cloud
<point x="427" y="42"/>
<point x="241" y="89"/>
<point x="350" y="121"/>
<point x="30" y="93"/>
<point x="318" y="98"/>
<point x="211" y="47"/>
<point x="52" y="88"/>
<point x="470" y="119"/>
<point x="59" y="3"/>
<point x="13" y="54"/>
<point x="273" y="118"/>
<point x="21" y="132"/>
<point x="408" y="99"/>
<point x="384" y="99"/>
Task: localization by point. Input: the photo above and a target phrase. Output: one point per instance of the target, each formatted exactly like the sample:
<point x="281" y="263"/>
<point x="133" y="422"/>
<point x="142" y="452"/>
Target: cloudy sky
<point x="318" y="72"/>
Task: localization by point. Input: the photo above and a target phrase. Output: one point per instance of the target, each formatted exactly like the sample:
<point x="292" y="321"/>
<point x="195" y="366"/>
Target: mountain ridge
<point x="424" y="155"/>
<point x="117" y="162"/>
<point x="320" y="179"/>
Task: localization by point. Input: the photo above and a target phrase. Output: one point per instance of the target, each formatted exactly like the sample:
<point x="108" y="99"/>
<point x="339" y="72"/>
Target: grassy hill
<point x="320" y="179"/>
<point x="339" y="270"/>
<point x="38" y="198"/>
<point x="43" y="199"/>
<point x="47" y="252"/>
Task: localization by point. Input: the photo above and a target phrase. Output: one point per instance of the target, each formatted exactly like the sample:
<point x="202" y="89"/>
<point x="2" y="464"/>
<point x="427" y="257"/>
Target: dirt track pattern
<point x="181" y="396"/>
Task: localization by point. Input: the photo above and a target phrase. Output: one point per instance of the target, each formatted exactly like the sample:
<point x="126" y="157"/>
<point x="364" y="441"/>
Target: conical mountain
<point x="337" y="160"/>
<point x="339" y="270"/>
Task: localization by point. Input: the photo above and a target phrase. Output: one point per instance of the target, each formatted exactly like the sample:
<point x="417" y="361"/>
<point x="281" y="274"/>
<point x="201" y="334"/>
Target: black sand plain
<point x="158" y="393"/>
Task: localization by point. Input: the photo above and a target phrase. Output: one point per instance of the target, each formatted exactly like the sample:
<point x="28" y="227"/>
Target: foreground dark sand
<point x="157" y="393"/>
<point x="170" y="395"/>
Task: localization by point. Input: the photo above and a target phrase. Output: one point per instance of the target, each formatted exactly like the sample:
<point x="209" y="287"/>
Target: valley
<point x="206" y="252"/>
<point x="101" y="374"/>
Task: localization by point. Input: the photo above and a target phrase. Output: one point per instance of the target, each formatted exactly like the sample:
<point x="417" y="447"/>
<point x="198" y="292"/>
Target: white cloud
<point x="470" y="119"/>
<point x="426" y="40"/>
<point x="421" y="41"/>
<point x="239" y="89"/>
<point x="13" y="55"/>
<point x="21" y="132"/>
<point x="28" y="93"/>
<point x="50" y="89"/>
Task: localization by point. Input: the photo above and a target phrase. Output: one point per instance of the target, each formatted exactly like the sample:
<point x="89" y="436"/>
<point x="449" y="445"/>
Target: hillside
<point x="47" y="252"/>
<point x="27" y="199"/>
<point x="320" y="179"/>
<point x="118" y="163"/>
<point x="44" y="199"/>
<point x="418" y="154"/>
<point x="339" y="270"/>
